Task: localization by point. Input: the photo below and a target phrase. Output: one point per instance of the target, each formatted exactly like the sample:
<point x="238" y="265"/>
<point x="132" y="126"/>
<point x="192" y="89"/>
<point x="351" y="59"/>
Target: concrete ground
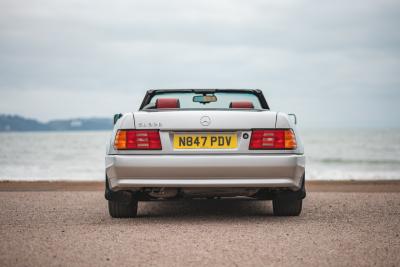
<point x="73" y="228"/>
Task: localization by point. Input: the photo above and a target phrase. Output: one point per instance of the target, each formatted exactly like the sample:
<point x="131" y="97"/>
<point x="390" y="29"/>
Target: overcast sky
<point x="333" y="63"/>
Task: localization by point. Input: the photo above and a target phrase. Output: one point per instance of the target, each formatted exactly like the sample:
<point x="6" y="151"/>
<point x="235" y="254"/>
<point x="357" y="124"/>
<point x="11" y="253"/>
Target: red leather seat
<point x="167" y="103"/>
<point x="241" y="104"/>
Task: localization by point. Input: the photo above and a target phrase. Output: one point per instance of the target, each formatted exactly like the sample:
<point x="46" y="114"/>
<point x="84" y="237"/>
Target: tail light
<point x="137" y="140"/>
<point x="273" y="139"/>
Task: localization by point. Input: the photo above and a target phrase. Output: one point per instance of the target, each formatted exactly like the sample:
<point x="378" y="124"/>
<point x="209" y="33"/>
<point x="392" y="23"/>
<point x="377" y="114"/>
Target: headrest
<point x="167" y="103"/>
<point x="241" y="104"/>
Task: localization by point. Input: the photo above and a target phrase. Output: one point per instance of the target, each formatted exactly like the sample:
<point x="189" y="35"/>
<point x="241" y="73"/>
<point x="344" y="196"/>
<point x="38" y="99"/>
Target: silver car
<point x="204" y="143"/>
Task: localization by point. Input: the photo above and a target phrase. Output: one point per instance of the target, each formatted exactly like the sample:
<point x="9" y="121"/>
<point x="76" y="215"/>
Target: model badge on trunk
<point x="149" y="125"/>
<point x="205" y="121"/>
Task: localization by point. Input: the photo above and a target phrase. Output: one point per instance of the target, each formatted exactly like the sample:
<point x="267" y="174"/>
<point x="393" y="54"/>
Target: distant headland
<point x="16" y="123"/>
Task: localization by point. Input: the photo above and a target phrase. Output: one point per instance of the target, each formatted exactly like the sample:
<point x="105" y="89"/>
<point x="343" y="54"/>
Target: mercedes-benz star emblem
<point x="205" y="121"/>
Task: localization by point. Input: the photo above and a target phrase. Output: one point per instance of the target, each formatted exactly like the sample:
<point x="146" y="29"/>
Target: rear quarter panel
<point x="283" y="121"/>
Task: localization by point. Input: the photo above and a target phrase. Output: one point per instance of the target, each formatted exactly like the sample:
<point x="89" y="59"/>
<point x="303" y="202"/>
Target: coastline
<point x="312" y="186"/>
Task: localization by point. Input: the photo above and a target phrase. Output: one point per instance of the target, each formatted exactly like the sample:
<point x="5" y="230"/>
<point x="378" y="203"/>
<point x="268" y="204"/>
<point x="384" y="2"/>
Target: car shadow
<point x="216" y="208"/>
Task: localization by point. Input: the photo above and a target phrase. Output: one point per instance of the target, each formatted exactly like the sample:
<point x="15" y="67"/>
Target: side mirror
<point x="294" y="117"/>
<point x="116" y="117"/>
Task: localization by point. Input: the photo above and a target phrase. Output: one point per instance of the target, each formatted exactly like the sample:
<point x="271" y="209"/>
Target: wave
<point x="359" y="161"/>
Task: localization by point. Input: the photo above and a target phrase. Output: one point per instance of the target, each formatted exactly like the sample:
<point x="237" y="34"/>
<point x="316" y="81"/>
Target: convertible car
<point x="204" y="143"/>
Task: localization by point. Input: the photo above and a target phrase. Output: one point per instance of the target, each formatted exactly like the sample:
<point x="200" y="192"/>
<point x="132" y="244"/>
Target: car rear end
<point x="169" y="152"/>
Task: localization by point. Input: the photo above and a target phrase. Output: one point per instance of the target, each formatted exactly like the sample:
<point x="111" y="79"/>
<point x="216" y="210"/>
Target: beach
<point x="67" y="224"/>
<point x="53" y="211"/>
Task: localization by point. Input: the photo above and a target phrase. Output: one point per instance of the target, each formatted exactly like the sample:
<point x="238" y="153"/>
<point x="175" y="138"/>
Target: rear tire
<point x="119" y="209"/>
<point x="289" y="203"/>
<point x="287" y="206"/>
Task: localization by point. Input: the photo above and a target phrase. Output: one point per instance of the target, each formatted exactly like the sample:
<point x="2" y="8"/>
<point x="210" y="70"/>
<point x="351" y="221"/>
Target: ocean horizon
<point x="334" y="154"/>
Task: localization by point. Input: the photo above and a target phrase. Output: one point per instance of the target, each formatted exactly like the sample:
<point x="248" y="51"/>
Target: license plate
<point x="205" y="141"/>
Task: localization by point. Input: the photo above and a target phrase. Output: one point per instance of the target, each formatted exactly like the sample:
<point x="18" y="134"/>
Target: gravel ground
<point x="73" y="229"/>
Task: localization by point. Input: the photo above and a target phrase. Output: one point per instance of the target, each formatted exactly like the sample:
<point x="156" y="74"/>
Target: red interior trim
<point x="241" y="104"/>
<point x="167" y="103"/>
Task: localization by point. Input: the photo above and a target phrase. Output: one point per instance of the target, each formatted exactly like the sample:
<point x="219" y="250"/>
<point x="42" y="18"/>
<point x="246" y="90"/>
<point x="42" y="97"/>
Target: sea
<point x="331" y="154"/>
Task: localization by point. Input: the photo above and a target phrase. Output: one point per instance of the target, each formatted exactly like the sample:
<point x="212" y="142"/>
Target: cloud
<point x="306" y="55"/>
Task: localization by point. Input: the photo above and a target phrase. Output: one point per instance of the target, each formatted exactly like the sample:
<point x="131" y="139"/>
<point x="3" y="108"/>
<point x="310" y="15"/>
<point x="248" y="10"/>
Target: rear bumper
<point x="260" y="171"/>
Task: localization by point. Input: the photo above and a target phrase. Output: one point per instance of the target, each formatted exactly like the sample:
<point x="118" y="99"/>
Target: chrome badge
<point x="205" y="121"/>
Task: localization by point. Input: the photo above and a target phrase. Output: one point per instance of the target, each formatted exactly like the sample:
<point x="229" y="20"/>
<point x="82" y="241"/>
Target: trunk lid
<point x="203" y="120"/>
<point x="181" y="130"/>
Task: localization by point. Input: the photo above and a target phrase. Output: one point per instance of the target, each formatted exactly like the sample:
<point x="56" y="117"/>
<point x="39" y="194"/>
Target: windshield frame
<point x="151" y="93"/>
